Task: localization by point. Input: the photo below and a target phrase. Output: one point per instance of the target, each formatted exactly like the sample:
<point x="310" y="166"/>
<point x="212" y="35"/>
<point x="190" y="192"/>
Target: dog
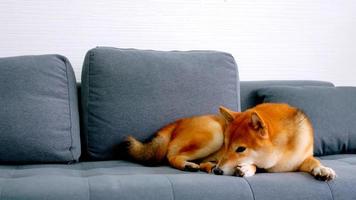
<point x="270" y="136"/>
<point x="273" y="137"/>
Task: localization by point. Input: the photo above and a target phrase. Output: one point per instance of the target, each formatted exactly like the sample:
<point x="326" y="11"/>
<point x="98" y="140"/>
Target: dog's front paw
<point x="191" y="167"/>
<point x="245" y="170"/>
<point x="323" y="173"/>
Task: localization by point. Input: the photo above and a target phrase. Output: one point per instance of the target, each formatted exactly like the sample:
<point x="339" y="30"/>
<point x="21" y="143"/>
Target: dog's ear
<point x="228" y="114"/>
<point x="258" y="124"/>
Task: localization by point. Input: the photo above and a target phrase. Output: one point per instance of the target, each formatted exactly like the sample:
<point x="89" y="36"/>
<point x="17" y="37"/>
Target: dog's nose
<point x="218" y="171"/>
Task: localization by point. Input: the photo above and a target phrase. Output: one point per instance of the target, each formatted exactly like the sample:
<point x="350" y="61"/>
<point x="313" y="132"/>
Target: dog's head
<point x="247" y="141"/>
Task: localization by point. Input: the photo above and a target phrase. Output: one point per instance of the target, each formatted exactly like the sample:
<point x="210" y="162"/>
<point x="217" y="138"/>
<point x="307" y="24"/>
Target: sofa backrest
<point x="128" y="91"/>
<point x="248" y="89"/>
<point x="248" y="96"/>
<point x="136" y="92"/>
<point x="39" y="118"/>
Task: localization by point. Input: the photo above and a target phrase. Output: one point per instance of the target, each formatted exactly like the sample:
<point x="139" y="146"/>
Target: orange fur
<point x="183" y="141"/>
<point x="275" y="137"/>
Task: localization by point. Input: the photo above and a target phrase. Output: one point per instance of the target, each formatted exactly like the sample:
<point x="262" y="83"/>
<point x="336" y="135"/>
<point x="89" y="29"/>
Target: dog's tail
<point x="154" y="151"/>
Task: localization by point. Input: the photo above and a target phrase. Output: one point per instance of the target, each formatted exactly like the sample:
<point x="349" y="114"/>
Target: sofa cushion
<point x="248" y="89"/>
<point x="136" y="92"/>
<point x="39" y="119"/>
<point x="125" y="180"/>
<point x="331" y="110"/>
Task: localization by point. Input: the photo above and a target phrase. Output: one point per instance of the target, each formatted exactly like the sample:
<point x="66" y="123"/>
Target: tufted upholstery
<point x="125" y="180"/>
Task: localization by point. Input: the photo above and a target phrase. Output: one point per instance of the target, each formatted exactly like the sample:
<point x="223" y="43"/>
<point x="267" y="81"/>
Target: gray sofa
<point x="127" y="91"/>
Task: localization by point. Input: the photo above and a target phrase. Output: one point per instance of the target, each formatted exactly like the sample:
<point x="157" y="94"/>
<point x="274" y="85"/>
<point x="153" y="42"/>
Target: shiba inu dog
<point x="273" y="137"/>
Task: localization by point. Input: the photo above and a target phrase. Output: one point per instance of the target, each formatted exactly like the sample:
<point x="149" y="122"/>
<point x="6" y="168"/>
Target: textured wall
<point x="270" y="39"/>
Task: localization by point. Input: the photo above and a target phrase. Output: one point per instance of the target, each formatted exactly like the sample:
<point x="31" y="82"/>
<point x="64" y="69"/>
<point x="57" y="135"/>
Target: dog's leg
<point x="209" y="163"/>
<point x="181" y="162"/>
<point x="182" y="150"/>
<point x="207" y="166"/>
<point x="315" y="168"/>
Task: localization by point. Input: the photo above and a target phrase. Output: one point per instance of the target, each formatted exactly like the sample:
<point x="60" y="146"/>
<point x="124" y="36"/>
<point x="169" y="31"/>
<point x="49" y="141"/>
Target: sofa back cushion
<point x="136" y="92"/>
<point x="332" y="111"/>
<point x="249" y="97"/>
<point x="39" y="120"/>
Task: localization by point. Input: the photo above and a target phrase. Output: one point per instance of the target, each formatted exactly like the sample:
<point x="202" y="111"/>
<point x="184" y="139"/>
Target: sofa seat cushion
<point x="125" y="180"/>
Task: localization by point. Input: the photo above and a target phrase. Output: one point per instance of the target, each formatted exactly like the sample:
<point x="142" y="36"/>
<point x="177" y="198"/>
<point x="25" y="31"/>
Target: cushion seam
<point x="171" y="184"/>
<point x="237" y="85"/>
<point x="331" y="192"/>
<point x="90" y="58"/>
<point x="70" y="112"/>
<point x="1" y="188"/>
<point x="88" y="188"/>
<point x="237" y="88"/>
<point x="248" y="183"/>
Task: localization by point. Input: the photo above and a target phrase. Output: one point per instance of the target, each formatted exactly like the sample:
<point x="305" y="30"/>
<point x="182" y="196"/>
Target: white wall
<point x="270" y="39"/>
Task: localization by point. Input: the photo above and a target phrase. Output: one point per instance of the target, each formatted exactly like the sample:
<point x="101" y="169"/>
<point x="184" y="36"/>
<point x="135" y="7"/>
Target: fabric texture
<point x="248" y="89"/>
<point x="136" y="92"/>
<point x="39" y="119"/>
<point x="125" y="180"/>
<point x="331" y="110"/>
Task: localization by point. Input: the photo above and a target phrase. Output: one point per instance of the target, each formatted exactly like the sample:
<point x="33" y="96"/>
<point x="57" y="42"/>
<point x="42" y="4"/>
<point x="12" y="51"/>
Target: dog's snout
<point x="218" y="171"/>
